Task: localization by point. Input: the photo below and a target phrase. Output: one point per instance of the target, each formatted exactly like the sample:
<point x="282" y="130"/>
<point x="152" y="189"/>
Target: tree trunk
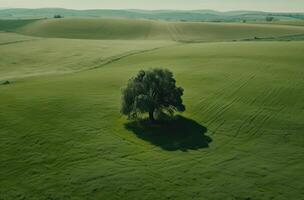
<point x="151" y="115"/>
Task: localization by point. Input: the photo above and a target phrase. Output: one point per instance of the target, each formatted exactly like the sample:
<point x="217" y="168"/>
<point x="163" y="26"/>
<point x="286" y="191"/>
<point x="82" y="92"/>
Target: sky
<point x="220" y="5"/>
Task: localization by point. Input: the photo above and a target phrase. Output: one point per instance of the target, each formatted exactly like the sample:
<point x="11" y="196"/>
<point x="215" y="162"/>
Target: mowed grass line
<point x="62" y="137"/>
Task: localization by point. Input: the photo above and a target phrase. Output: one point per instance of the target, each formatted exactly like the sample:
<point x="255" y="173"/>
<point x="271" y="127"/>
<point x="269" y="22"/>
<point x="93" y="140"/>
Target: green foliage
<point x="152" y="91"/>
<point x="57" y="16"/>
<point x="4" y="82"/>
<point x="269" y="18"/>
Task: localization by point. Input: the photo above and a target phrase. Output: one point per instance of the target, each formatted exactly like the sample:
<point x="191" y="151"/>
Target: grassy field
<point x="62" y="136"/>
<point x="289" y="22"/>
<point x="54" y="56"/>
<point x="125" y="29"/>
<point x="11" y="25"/>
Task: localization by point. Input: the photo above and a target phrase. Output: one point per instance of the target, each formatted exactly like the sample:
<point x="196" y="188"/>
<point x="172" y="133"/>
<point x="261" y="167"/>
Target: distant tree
<point x="152" y="91"/>
<point x="244" y="20"/>
<point x="269" y="18"/>
<point x="5" y="83"/>
<point x="58" y="16"/>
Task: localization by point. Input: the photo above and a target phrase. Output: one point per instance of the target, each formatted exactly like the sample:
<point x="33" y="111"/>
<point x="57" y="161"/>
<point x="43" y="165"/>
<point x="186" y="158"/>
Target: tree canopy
<point x="58" y="16"/>
<point x="152" y="91"/>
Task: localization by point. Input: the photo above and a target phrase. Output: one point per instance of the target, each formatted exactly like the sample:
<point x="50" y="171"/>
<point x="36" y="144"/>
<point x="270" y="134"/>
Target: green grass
<point x="11" y="38"/>
<point x="12" y="25"/>
<point x="126" y="29"/>
<point x="289" y="22"/>
<point x="62" y="136"/>
<point x="23" y="56"/>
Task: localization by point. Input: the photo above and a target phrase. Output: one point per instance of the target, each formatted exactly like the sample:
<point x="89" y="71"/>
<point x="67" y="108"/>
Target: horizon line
<point x="222" y="11"/>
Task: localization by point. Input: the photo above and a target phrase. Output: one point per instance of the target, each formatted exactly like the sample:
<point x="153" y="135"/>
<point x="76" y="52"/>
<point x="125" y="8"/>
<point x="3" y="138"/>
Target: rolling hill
<point x="58" y="56"/>
<point x="62" y="136"/>
<point x="125" y="29"/>
<point x="172" y="15"/>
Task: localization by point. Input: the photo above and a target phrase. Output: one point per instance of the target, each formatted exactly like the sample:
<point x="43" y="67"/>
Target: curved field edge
<point x="63" y="137"/>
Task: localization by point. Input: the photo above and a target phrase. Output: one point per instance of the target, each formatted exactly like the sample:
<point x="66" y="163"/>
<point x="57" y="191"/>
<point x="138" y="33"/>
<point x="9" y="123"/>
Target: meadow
<point x="136" y="29"/>
<point x="62" y="136"/>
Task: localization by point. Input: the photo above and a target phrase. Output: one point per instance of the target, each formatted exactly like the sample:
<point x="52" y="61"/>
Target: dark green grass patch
<point x="178" y="133"/>
<point x="14" y="25"/>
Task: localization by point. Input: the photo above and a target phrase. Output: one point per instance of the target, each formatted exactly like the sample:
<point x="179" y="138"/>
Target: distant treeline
<point x="195" y="15"/>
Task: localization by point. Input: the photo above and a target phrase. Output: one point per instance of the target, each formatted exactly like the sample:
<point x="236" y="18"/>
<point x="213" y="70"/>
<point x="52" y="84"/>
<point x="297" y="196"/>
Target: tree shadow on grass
<point x="178" y="133"/>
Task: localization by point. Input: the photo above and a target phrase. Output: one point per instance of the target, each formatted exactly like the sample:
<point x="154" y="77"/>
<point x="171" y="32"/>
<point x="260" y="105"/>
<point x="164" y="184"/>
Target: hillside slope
<point x="153" y="30"/>
<point x="24" y="56"/>
<point x="62" y="137"/>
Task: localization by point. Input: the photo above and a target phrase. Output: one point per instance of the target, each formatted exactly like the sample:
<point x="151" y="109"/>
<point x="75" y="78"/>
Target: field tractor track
<point x="228" y="105"/>
<point x="122" y="56"/>
<point x="16" y="42"/>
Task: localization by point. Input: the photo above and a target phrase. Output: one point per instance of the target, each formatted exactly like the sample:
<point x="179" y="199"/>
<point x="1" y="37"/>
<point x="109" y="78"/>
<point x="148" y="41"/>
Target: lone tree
<point x="57" y="16"/>
<point x="152" y="91"/>
<point x="269" y="18"/>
